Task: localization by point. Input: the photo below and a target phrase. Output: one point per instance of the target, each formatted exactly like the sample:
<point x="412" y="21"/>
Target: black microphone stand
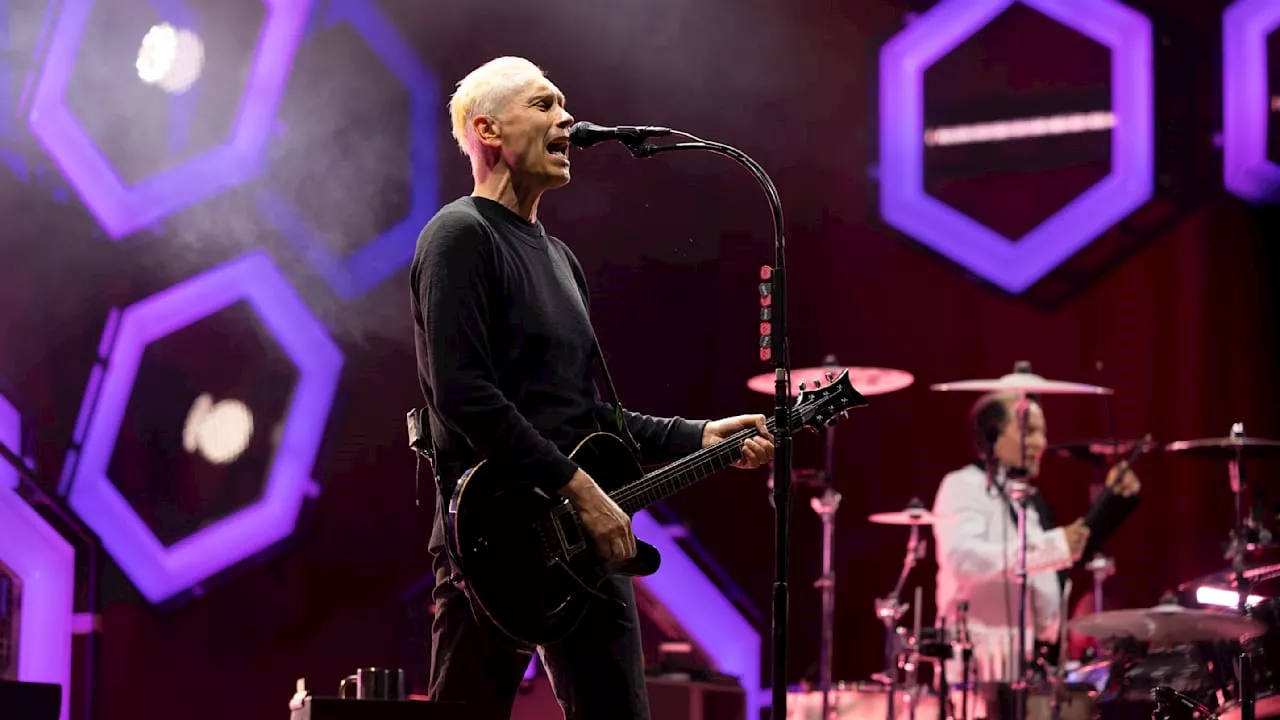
<point x="782" y="399"/>
<point x="29" y="487"/>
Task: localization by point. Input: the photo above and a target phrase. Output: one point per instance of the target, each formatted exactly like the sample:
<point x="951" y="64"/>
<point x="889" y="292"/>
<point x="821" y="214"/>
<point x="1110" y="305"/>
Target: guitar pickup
<point x="568" y="531"/>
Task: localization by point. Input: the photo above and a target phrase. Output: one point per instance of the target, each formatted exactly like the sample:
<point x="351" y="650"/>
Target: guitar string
<point x="658" y="481"/>
<point x="672" y="478"/>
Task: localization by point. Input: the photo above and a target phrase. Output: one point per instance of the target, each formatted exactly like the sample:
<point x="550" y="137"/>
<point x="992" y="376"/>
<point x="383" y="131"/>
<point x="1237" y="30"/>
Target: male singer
<point x="977" y="545"/>
<point x="505" y="361"/>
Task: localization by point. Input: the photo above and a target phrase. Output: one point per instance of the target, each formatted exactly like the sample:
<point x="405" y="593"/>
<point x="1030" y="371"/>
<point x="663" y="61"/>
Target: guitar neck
<point x="668" y="480"/>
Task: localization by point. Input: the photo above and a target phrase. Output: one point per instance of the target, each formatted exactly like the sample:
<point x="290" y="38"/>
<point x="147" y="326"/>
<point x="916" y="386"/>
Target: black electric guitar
<point x="524" y="558"/>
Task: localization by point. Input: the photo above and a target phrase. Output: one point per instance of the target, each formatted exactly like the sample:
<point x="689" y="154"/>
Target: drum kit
<point x="1173" y="661"/>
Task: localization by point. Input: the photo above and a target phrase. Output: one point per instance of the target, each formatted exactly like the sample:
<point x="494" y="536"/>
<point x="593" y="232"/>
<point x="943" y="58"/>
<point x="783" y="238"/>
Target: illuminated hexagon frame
<point x="380" y="257"/>
<point x="1014" y="266"/>
<point x="120" y="209"/>
<point x="1247" y="172"/>
<point x="159" y="572"/>
<point x="46" y="563"/>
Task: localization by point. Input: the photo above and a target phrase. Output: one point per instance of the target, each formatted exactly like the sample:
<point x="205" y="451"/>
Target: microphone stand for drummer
<point x="1018" y="492"/>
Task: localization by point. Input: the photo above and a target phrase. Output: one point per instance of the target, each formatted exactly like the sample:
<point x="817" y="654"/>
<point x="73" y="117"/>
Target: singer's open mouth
<point x="559" y="147"/>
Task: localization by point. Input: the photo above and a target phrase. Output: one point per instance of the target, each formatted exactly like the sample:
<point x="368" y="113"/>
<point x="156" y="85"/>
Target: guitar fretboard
<point x="683" y="473"/>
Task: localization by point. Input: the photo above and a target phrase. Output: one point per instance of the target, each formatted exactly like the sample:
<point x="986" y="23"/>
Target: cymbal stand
<point x="1059" y="679"/>
<point x="1242" y="583"/>
<point x="890" y="610"/>
<point x="825" y="506"/>
<point x="1102" y="567"/>
<point x="966" y="655"/>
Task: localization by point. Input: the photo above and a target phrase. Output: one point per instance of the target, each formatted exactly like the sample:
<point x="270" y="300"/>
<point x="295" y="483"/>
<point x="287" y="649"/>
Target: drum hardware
<point x="965" y="642"/>
<point x="1024" y="384"/>
<point x="889" y="609"/>
<point x="1101" y="567"/>
<point x="1058" y="678"/>
<point x="1173" y="705"/>
<point x="1233" y="449"/>
<point x="867" y="381"/>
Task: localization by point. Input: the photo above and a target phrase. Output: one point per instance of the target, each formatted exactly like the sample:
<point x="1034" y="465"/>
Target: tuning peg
<point x="802" y="387"/>
<point x="829" y="375"/>
<point x="817" y="383"/>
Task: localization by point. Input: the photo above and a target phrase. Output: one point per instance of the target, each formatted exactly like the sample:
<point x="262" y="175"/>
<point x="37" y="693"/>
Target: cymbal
<point x="866" y="380"/>
<point x="1225" y="579"/>
<point x="910" y="516"/>
<point x="1225" y="448"/>
<point x="1030" y="383"/>
<point x="1167" y="623"/>
<point x="1094" y="449"/>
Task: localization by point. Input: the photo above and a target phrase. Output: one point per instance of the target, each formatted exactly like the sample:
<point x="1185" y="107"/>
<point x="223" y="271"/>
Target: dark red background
<point x="1176" y="304"/>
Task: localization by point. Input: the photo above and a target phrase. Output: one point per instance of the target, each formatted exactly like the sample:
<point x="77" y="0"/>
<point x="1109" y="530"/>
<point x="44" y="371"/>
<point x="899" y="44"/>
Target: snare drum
<point x="1076" y="701"/>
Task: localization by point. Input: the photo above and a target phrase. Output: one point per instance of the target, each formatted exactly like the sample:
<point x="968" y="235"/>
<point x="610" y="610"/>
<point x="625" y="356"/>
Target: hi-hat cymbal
<point x="1167" y="623"/>
<point x="1029" y="383"/>
<point x="910" y="516"/>
<point x="866" y="380"/>
<point x="1102" y="449"/>
<point x="1225" y="448"/>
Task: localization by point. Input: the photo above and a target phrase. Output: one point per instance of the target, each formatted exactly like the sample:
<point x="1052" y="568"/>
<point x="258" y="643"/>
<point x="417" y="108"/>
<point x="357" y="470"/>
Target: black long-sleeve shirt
<point x="504" y="350"/>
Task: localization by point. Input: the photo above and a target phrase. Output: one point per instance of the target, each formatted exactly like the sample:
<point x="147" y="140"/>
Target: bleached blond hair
<point x="484" y="91"/>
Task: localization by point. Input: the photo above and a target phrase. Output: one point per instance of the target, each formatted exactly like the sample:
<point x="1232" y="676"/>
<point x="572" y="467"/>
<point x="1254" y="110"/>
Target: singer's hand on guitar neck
<point x="756" y="451"/>
<point x="606" y="524"/>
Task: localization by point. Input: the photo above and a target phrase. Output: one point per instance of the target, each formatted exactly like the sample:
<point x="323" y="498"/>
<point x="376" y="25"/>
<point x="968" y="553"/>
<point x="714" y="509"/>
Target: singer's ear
<point x="489" y="129"/>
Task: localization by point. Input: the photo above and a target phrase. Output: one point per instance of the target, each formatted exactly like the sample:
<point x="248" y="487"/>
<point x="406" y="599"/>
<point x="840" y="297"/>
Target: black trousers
<point x="597" y="672"/>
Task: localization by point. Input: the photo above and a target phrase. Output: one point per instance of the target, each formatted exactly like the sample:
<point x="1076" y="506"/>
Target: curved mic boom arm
<point x="782" y="399"/>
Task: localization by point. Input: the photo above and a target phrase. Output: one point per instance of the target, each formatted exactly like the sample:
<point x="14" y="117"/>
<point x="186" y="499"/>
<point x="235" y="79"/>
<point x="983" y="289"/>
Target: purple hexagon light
<point x="1014" y="266"/>
<point x="46" y="564"/>
<point x="161" y="572"/>
<point x="1246" y="170"/>
<point x="120" y="209"/>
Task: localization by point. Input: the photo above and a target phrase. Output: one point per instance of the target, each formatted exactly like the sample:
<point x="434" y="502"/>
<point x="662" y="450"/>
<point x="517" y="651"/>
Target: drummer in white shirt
<point x="977" y="545"/>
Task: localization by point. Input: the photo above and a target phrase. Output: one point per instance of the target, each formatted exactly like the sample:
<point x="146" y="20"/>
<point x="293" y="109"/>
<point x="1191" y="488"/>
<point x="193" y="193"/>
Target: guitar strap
<point x="573" y="284"/>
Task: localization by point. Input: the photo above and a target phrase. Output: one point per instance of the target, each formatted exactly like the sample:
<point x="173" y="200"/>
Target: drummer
<point x="977" y="546"/>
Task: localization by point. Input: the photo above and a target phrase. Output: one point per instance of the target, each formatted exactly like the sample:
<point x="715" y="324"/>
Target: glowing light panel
<point x="375" y="261"/>
<point x="121" y="209"/>
<point x="1206" y="595"/>
<point x="1247" y="171"/>
<point x="46" y="564"/>
<point x="1014" y="266"/>
<point x="161" y="572"/>
<point x="731" y="642"/>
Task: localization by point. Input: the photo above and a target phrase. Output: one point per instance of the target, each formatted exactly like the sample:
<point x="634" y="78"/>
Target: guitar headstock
<point x="821" y="405"/>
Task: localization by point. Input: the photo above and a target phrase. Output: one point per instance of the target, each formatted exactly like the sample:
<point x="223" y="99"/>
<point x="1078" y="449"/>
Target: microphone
<point x="585" y="134"/>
